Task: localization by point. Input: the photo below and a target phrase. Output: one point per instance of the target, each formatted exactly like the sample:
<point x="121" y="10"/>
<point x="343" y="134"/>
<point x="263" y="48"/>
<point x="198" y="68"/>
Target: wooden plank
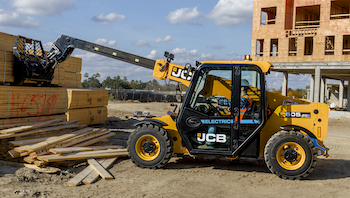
<point x="42" y="170"/>
<point x="52" y="158"/>
<point x="72" y="141"/>
<point x="10" y="121"/>
<point x="100" y="169"/>
<point x="40" y="130"/>
<point x="75" y="181"/>
<point x="14" y="154"/>
<point x="96" y="140"/>
<point x="28" y="160"/>
<point x="29" y="141"/>
<point x="80" y="149"/>
<point x="43" y="144"/>
<point x="29" y="127"/>
<point x="94" y="175"/>
<point x="40" y="163"/>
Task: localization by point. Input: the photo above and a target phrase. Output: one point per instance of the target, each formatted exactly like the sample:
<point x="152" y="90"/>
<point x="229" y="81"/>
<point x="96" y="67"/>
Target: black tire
<point x="163" y="146"/>
<point x="294" y="163"/>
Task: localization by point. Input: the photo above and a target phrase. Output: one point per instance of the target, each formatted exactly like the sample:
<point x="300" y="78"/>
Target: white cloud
<point x="42" y="7"/>
<point x="47" y="46"/>
<point x="141" y="43"/>
<point x="231" y="53"/>
<point x="232" y="12"/>
<point x="166" y="39"/>
<point x="184" y="15"/>
<point x="182" y="56"/>
<point x="111" y="17"/>
<point x="13" y="19"/>
<point x="103" y="41"/>
<point x="153" y="54"/>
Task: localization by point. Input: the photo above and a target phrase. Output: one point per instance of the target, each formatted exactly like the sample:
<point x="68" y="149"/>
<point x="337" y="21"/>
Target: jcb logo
<point x="181" y="73"/>
<point x="211" y="137"/>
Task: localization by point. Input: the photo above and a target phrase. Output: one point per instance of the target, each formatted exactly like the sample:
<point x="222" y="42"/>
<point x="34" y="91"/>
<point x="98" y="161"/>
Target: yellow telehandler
<point x="226" y="111"/>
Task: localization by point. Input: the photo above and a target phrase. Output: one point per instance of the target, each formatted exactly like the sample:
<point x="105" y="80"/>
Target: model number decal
<point x="297" y="115"/>
<point x="181" y="73"/>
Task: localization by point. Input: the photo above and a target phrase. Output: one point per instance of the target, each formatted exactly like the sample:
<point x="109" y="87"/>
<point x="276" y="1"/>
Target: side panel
<point x="312" y="117"/>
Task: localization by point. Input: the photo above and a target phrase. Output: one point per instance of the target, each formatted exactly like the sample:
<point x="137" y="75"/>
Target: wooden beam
<point x="75" y="181"/>
<point x="42" y="170"/>
<point x="94" y="175"/>
<point x="29" y="127"/>
<point x="96" y="140"/>
<point x="81" y="149"/>
<point x="100" y="169"/>
<point x="14" y="154"/>
<point x="3" y="136"/>
<point x="52" y="158"/>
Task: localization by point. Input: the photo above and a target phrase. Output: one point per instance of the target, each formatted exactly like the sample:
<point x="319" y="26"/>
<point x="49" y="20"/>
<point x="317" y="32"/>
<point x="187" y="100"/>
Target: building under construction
<point x="304" y="37"/>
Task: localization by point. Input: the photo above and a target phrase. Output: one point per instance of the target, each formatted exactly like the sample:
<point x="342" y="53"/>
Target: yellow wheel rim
<point x="147" y="147"/>
<point x="291" y="156"/>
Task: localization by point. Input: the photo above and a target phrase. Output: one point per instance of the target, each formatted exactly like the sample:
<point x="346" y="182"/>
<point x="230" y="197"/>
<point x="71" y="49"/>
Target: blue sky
<point x="193" y="30"/>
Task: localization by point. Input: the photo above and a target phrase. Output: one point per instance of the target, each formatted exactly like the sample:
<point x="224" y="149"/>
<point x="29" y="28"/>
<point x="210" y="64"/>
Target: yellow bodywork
<point x="317" y="123"/>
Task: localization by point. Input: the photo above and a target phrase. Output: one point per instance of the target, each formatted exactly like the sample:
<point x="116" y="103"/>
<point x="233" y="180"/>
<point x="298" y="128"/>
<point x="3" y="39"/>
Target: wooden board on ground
<point x="88" y="116"/>
<point x="55" y="158"/>
<point x="100" y="169"/>
<point x="29" y="126"/>
<point x="43" y="170"/>
<point x="81" y="149"/>
<point x="86" y="98"/>
<point x="75" y="181"/>
<point x="94" y="175"/>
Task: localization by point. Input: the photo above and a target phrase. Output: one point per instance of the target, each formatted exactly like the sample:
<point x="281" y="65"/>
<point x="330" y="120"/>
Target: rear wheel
<point x="290" y="155"/>
<point x="150" y="146"/>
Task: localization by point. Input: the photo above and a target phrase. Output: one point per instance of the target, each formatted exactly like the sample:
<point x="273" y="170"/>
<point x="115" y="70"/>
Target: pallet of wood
<point x="24" y="101"/>
<point x="88" y="116"/>
<point x="86" y="98"/>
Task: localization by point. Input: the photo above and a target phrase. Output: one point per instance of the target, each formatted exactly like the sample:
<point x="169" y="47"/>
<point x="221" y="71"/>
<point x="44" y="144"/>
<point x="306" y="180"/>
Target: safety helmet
<point x="244" y="83"/>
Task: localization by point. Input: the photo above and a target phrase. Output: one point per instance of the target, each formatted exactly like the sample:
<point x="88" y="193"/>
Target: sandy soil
<point x="186" y="177"/>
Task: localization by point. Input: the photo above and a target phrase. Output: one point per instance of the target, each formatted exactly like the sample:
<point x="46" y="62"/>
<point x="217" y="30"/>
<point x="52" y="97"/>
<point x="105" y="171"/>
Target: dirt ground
<point x="187" y="177"/>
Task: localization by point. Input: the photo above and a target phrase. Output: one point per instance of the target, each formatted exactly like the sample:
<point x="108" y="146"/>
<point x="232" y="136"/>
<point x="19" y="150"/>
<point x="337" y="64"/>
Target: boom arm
<point x="162" y="69"/>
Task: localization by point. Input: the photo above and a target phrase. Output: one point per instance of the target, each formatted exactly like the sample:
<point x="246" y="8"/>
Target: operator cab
<point x="211" y="119"/>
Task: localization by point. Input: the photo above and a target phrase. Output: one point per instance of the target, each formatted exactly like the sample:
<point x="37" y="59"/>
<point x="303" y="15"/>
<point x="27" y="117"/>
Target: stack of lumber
<point x="66" y="75"/>
<point x="21" y="101"/>
<point x="87" y="106"/>
<point x="41" y="146"/>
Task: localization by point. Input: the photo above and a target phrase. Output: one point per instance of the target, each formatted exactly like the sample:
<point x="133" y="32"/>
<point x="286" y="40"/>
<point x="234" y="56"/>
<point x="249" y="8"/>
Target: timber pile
<point x="62" y="143"/>
<point x="66" y="75"/>
<point x="87" y="106"/>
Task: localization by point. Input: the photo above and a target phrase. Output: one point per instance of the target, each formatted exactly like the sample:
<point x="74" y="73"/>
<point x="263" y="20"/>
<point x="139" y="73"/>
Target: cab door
<point x="209" y="121"/>
<point x="205" y="121"/>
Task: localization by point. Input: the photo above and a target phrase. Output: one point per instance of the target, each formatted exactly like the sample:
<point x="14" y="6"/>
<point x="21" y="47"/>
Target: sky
<point x="193" y="30"/>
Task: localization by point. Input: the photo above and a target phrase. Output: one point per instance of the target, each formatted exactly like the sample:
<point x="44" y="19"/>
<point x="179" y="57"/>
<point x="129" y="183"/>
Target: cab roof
<point x="264" y="66"/>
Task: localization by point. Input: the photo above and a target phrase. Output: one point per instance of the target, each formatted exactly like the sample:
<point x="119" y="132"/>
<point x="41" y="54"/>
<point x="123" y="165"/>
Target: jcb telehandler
<point x="287" y="133"/>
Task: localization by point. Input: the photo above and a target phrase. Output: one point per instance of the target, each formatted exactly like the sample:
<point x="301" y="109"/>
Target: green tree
<point x="91" y="82"/>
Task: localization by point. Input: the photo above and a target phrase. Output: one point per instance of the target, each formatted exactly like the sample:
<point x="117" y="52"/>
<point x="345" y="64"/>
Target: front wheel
<point x="290" y="155"/>
<point x="150" y="146"/>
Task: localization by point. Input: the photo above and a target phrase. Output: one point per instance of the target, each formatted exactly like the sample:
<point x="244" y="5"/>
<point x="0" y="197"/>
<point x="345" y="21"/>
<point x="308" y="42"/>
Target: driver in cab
<point x="246" y="102"/>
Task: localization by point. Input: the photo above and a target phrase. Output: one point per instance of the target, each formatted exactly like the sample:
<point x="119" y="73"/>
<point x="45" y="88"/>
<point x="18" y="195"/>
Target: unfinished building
<point x="304" y="37"/>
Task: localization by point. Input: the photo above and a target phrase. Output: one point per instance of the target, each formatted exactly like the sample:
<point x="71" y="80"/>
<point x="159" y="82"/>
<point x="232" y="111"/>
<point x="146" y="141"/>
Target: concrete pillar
<point x="348" y="97"/>
<point x="322" y="94"/>
<point x="318" y="76"/>
<point x="285" y="84"/>
<point x="341" y="94"/>
<point x="312" y="87"/>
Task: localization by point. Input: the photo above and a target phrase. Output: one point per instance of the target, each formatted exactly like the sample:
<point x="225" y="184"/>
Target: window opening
<point x="308" y="17"/>
<point x="293" y="46"/>
<point x="260" y="47"/>
<point x="346" y="44"/>
<point x="268" y="16"/>
<point x="340" y="9"/>
<point x="309" y="45"/>
<point x="274" y="47"/>
<point x="329" y="48"/>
